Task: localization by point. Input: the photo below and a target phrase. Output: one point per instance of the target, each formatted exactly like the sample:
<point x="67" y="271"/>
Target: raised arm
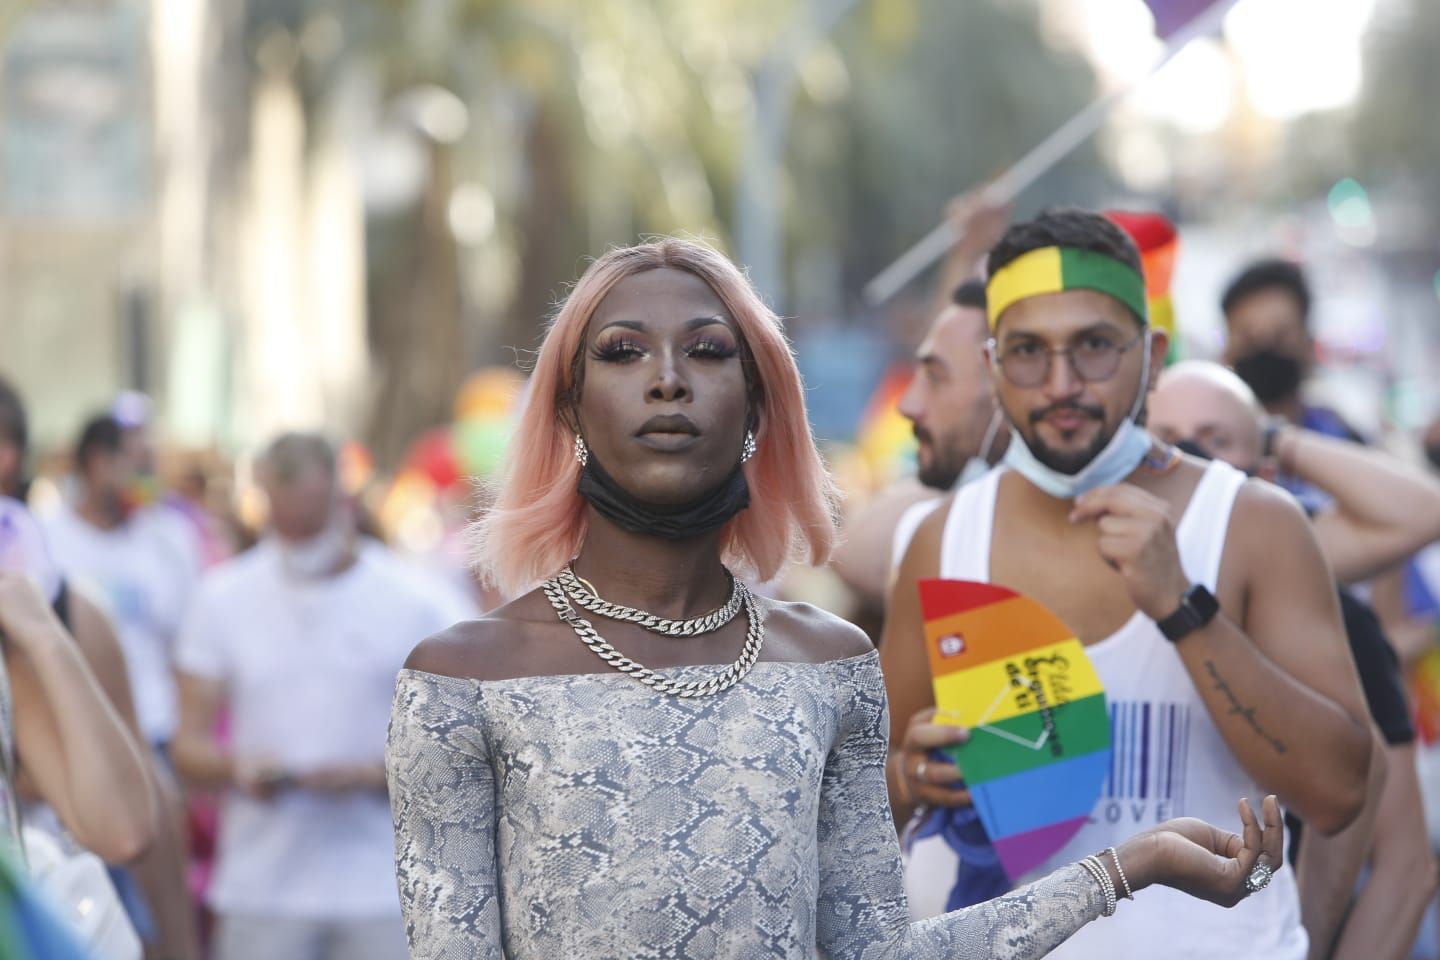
<point x="977" y="223"/>
<point x="68" y="737"/>
<point x="1384" y="510"/>
<point x="443" y="799"/>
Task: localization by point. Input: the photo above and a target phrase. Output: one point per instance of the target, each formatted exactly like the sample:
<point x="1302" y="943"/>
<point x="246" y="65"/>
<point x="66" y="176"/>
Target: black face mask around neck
<point x="669" y="522"/>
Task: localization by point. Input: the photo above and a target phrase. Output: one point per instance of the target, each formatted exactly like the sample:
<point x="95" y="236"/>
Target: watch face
<point x="1197" y="608"/>
<point x="1202" y="602"/>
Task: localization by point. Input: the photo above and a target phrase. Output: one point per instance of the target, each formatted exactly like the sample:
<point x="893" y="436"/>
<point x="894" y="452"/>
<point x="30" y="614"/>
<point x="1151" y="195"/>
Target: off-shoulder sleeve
<point x="862" y="913"/>
<point x="442" y="795"/>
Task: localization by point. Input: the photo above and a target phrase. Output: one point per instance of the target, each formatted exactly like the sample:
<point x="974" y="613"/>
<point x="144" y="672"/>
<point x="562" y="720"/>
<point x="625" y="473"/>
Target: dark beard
<point x="945" y="466"/>
<point x="1068" y="463"/>
<point x="940" y="475"/>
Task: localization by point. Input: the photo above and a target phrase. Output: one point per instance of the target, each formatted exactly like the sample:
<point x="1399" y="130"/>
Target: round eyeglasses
<point x="1094" y="358"/>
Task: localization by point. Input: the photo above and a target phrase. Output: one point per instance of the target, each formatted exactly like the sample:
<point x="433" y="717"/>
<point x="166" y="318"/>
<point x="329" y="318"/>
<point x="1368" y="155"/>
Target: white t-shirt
<point x="309" y="671"/>
<point x="143" y="572"/>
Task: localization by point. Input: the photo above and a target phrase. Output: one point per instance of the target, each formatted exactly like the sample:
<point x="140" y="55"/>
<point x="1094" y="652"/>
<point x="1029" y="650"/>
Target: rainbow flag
<point x="1425" y="694"/>
<point x="1039" y="748"/>
<point x="1172" y="16"/>
<point x="885" y="438"/>
<point x="1159" y="244"/>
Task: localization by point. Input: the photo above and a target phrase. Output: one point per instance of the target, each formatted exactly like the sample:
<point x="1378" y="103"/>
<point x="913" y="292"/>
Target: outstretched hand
<point x="1205" y="861"/>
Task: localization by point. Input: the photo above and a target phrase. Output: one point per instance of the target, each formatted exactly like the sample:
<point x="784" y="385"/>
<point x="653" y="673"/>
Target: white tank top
<point x="1168" y="758"/>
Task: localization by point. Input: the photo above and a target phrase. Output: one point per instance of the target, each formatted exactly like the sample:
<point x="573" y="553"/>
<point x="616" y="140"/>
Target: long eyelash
<point x="616" y="350"/>
<point x="713" y="347"/>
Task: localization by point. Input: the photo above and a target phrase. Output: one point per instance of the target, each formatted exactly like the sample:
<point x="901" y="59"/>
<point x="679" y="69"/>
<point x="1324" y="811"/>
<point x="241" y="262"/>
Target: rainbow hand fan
<point x="1039" y="747"/>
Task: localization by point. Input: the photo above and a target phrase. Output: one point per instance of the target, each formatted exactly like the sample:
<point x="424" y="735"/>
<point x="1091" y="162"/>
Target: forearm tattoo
<point x="1240" y="710"/>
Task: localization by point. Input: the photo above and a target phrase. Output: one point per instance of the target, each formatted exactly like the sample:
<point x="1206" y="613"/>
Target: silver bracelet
<point x="1101" y="876"/>
<point x="1129" y="894"/>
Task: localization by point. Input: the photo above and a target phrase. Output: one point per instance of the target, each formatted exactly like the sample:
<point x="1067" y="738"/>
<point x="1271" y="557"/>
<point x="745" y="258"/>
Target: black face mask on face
<point x="1193" y="448"/>
<point x="1274" y="376"/>
<point x="678" y="522"/>
<point x="1432" y="453"/>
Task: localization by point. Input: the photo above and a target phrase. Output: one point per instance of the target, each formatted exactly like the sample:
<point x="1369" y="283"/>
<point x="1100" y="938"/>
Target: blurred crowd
<point x="229" y="627"/>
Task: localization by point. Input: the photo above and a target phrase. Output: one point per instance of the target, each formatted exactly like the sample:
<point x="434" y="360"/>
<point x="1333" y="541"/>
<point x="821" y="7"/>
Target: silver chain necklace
<point x="723" y="680"/>
<point x="583" y="594"/>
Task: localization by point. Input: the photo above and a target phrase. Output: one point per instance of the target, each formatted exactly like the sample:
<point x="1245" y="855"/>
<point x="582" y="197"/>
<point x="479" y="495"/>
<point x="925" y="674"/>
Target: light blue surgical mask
<point x="1125" y="451"/>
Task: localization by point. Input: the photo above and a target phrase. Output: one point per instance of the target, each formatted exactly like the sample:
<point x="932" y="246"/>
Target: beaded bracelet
<point x="1101" y="876"/>
<point x="1129" y="894"/>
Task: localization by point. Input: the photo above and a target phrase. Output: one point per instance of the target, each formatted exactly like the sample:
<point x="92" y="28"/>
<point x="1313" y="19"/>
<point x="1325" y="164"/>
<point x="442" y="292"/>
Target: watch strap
<point x="1197" y="608"/>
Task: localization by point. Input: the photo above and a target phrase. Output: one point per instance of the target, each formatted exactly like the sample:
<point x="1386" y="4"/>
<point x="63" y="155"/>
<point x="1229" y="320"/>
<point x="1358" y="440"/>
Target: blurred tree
<point x="592" y="123"/>
<point x="1391" y="137"/>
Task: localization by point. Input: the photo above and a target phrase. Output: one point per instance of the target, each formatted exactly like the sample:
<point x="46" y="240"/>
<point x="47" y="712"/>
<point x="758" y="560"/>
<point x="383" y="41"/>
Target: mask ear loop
<point x="991" y="432"/>
<point x="1144" y="378"/>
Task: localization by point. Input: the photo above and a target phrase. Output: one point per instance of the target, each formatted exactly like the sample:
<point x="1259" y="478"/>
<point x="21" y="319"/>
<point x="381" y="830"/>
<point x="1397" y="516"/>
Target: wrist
<point x="1287" y="436"/>
<point x="1141" y="857"/>
<point x="1170" y="599"/>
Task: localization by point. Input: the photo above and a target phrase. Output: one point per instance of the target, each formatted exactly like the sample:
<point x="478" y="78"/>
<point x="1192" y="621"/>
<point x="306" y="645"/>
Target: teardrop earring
<point x="582" y="452"/>
<point x="748" y="450"/>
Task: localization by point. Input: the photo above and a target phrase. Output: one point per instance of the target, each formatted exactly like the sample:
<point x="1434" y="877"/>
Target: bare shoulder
<point x="1263" y="498"/>
<point x="517" y="640"/>
<point x="1263" y="510"/>
<point x="1267" y="524"/>
<point x="804" y="633"/>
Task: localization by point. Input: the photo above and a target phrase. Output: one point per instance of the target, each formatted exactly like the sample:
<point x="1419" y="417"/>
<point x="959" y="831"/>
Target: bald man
<point x="1381" y="512"/>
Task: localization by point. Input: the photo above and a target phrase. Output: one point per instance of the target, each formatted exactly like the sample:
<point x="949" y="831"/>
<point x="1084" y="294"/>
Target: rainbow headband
<point x="1054" y="269"/>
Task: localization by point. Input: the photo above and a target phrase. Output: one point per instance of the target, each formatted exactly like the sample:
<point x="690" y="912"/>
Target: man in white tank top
<point x="1219" y="643"/>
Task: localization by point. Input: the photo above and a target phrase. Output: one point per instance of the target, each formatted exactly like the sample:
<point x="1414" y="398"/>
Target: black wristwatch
<point x="1197" y="608"/>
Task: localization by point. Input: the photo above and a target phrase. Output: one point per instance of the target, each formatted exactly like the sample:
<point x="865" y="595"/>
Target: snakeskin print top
<point x="585" y="816"/>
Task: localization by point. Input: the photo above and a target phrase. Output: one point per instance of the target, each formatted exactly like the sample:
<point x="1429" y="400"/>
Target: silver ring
<point x="1259" y="878"/>
<point x="920" y="771"/>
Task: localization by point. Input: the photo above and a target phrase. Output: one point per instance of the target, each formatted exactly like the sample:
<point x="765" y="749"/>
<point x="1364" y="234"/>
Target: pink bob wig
<point x="538" y="520"/>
